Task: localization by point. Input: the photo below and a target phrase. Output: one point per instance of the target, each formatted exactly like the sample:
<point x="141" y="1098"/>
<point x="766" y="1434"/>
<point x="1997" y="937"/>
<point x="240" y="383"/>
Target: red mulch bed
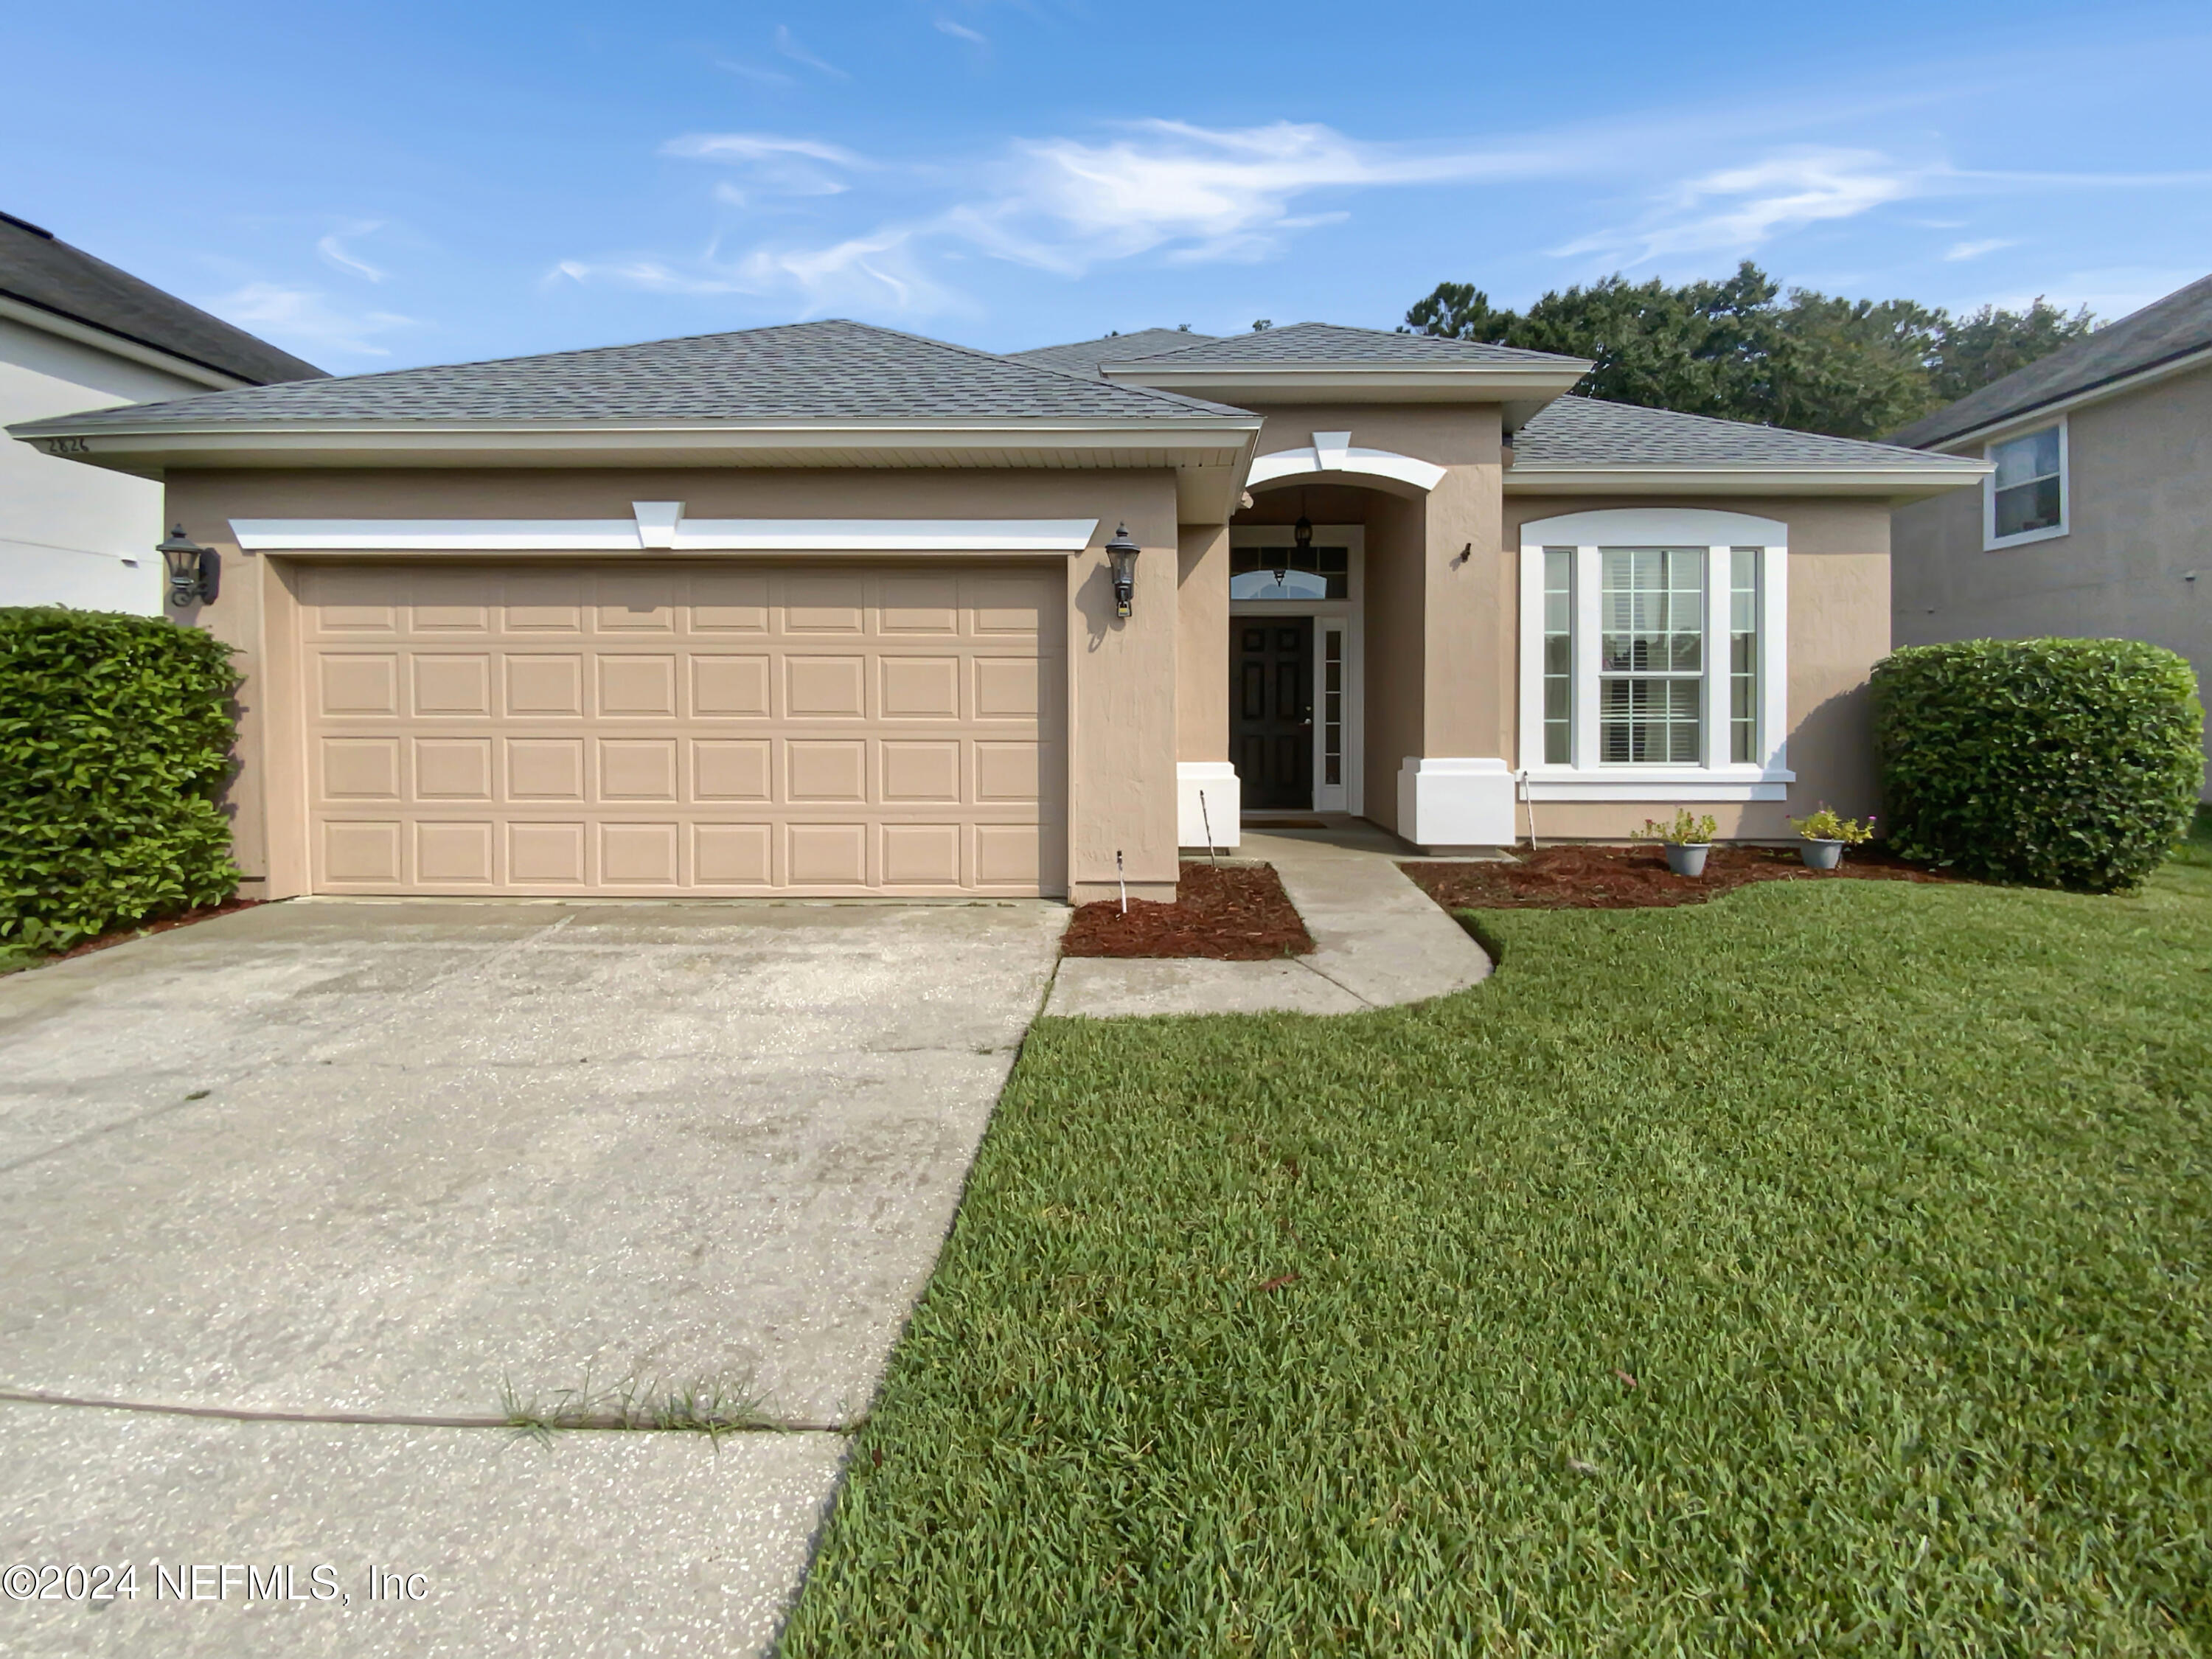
<point x="139" y="930"/>
<point x="1227" y="912"/>
<point x="1635" y="877"/>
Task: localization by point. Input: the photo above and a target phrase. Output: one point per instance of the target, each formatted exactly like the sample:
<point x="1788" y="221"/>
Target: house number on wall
<point x="69" y="446"/>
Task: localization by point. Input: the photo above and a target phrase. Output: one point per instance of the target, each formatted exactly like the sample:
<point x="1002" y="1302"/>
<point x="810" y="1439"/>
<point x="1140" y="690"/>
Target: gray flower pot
<point x="1685" y="859"/>
<point x="1821" y="854"/>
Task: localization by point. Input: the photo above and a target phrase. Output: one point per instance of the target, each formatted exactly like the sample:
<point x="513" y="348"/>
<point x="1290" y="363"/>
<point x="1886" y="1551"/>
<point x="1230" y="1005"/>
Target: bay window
<point x="1652" y="654"/>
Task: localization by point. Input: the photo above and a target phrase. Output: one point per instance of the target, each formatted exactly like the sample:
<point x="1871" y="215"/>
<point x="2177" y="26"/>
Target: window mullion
<point x="1714" y="725"/>
<point x="1588" y="615"/>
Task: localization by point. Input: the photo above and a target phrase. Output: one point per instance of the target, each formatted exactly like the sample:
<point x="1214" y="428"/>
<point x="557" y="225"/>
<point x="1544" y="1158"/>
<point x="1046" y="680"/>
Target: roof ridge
<point x="1005" y="361"/>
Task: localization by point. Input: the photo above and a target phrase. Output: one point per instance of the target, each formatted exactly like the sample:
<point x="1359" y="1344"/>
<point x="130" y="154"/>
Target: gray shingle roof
<point x="1332" y="343"/>
<point x="1084" y="356"/>
<point x="831" y="370"/>
<point x="1586" y="431"/>
<point x="38" y="268"/>
<point x="2172" y="327"/>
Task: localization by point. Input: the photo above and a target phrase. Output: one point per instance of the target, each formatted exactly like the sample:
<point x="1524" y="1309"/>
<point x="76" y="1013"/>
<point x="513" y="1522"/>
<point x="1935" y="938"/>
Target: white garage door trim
<point x="661" y="526"/>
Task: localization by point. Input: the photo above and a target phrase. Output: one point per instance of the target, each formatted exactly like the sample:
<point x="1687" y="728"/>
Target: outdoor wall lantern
<point x="195" y="571"/>
<point x="1301" y="534"/>
<point x="1121" y="554"/>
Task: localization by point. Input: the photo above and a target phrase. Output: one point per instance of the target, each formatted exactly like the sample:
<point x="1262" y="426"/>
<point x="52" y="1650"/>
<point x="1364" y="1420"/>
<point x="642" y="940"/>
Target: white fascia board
<point x="661" y="531"/>
<point x="1215" y="441"/>
<point x="1303" y="382"/>
<point x="118" y="345"/>
<point x="1892" y="483"/>
<point x="1990" y="430"/>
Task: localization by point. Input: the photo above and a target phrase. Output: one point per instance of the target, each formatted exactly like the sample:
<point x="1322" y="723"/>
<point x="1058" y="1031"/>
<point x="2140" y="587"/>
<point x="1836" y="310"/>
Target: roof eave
<point x="2060" y="402"/>
<point x="1524" y="388"/>
<point x="1912" y="481"/>
<point x="1213" y="448"/>
<point x="62" y="325"/>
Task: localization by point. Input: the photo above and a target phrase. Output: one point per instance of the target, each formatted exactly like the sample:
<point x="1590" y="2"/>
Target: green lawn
<point x="1827" y="1267"/>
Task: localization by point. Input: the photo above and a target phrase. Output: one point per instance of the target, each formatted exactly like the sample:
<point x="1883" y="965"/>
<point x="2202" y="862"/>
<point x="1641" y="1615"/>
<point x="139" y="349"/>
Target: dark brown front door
<point x="1271" y="710"/>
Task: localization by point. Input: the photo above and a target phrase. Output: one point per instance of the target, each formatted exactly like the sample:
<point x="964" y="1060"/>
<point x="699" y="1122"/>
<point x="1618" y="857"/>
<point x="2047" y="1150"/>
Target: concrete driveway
<point x="312" y="1188"/>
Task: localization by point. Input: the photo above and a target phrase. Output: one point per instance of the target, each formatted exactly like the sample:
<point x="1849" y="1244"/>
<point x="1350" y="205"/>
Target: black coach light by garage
<point x="1121" y="554"/>
<point x="194" y="571"/>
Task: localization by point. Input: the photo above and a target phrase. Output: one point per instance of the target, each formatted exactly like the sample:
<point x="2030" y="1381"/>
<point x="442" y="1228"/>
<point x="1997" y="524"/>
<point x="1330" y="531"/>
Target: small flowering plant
<point x="1685" y="831"/>
<point x="1825" y="825"/>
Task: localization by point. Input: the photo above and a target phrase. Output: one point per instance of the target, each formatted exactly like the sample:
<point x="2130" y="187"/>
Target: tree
<point x="1740" y="349"/>
<point x="1992" y="343"/>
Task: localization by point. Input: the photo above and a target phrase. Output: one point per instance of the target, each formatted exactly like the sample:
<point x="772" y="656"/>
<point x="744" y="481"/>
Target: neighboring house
<point x="76" y="333"/>
<point x="829" y="609"/>
<point x="2097" y="519"/>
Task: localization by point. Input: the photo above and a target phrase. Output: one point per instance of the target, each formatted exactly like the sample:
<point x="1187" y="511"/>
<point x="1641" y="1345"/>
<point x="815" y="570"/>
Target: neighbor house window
<point x="1652" y="655"/>
<point x="2027" y="492"/>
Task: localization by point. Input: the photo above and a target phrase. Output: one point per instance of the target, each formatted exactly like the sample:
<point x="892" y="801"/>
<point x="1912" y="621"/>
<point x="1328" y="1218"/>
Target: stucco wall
<point x="1839" y="604"/>
<point x="2140" y="467"/>
<point x="1121" y="675"/>
<point x="1396" y="649"/>
<point x="1440" y="592"/>
<point x="66" y="528"/>
<point x="1202" y="643"/>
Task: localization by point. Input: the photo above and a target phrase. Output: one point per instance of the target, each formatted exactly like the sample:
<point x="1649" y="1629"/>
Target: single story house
<point x="2096" y="519"/>
<point x="829" y="609"/>
<point x="76" y="333"/>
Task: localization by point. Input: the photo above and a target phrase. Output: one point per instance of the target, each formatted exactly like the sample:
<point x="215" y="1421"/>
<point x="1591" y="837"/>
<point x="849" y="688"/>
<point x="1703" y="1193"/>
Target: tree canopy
<point x="1742" y="349"/>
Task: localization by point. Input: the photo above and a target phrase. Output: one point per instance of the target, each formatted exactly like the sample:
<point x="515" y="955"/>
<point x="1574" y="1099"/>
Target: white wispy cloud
<point x="1200" y="193"/>
<point x="961" y="31"/>
<point x="1975" y="250"/>
<point x="307" y="319"/>
<point x="787" y="43"/>
<point x="768" y="163"/>
<point x="334" y="251"/>
<point x="1737" y="210"/>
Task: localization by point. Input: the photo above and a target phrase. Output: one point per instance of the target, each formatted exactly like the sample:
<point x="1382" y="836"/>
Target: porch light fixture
<point x="195" y="572"/>
<point x="1121" y="554"/>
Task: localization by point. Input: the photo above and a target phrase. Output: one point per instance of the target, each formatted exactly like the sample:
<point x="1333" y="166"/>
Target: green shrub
<point x="2071" y="764"/>
<point x="115" y="736"/>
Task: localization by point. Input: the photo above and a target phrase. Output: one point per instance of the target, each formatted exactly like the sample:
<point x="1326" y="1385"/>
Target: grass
<point x="1827" y="1267"/>
<point x="710" y="1409"/>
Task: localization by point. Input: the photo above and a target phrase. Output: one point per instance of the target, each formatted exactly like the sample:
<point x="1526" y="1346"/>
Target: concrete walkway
<point x="309" y="1194"/>
<point x="1379" y="940"/>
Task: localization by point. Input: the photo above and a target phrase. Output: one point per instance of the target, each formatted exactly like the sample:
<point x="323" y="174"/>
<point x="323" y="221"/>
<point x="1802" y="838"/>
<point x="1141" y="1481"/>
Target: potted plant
<point x="1825" y="835"/>
<point x="1687" y="840"/>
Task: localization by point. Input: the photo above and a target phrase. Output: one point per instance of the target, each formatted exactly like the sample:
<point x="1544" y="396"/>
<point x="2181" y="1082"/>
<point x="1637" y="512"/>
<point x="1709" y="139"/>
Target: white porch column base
<point x="1208" y="793"/>
<point x="1449" y="803"/>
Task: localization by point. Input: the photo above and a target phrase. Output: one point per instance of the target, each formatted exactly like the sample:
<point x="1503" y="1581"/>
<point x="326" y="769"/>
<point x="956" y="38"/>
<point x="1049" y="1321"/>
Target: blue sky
<point x="374" y="186"/>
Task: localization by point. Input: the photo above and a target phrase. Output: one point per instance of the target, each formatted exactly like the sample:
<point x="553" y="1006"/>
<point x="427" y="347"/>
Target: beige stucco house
<point x="827" y="609"/>
<point x="2096" y="520"/>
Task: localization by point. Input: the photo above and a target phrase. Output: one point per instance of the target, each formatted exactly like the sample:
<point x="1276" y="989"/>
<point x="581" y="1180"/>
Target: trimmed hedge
<point x="2072" y="763"/>
<point x="115" y="736"/>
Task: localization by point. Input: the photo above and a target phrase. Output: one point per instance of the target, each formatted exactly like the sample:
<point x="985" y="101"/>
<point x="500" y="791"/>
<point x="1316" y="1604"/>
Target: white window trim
<point x="1719" y="533"/>
<point x="1993" y="543"/>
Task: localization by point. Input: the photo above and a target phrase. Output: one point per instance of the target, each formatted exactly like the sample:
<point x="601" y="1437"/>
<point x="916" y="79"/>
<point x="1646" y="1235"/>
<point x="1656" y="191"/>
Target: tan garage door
<point x="659" y="729"/>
